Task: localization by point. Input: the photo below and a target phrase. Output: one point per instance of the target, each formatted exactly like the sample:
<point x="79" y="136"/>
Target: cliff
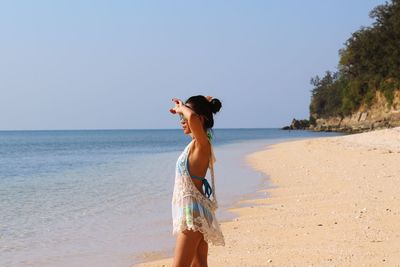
<point x="379" y="115"/>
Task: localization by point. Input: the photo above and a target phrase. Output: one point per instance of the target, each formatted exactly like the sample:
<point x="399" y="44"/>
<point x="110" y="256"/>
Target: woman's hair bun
<point x="215" y="105"/>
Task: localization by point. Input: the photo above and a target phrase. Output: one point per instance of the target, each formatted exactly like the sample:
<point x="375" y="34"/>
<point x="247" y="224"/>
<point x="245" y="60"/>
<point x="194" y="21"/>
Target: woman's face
<point x="184" y="124"/>
<point x="186" y="128"/>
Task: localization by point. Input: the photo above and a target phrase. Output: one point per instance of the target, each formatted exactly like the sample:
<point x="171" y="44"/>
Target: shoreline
<point x="333" y="201"/>
<point x="248" y="200"/>
<point x="164" y="259"/>
<point x="227" y="213"/>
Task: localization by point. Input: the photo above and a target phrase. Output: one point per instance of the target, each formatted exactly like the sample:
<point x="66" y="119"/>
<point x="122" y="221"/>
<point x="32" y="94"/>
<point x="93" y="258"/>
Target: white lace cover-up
<point x="191" y="210"/>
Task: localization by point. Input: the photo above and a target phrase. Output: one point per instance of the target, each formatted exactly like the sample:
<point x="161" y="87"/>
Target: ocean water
<point x="102" y="197"/>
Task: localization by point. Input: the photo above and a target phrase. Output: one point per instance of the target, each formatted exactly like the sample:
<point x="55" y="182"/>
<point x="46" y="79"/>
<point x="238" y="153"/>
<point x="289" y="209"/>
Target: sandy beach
<point x="334" y="202"/>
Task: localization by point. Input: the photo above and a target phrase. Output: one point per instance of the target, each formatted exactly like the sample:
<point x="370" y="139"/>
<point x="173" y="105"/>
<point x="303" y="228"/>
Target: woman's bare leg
<point x="187" y="243"/>
<point x="200" y="258"/>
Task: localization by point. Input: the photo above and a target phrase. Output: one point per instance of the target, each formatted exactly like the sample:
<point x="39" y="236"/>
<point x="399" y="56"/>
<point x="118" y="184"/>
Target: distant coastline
<point x="364" y="94"/>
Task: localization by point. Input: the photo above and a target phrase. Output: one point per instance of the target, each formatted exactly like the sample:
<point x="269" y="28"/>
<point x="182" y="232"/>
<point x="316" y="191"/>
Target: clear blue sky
<point x="117" y="64"/>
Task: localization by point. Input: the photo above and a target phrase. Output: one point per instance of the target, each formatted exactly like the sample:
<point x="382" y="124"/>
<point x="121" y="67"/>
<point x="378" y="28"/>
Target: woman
<point x="193" y="209"/>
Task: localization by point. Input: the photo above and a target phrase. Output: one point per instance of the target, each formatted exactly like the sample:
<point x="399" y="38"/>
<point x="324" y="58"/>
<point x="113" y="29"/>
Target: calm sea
<point x="102" y="197"/>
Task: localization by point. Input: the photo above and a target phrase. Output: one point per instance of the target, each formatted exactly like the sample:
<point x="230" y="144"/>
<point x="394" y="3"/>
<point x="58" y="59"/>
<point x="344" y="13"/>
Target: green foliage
<point x="369" y="61"/>
<point x="327" y="95"/>
<point x="312" y="120"/>
<point x="388" y="87"/>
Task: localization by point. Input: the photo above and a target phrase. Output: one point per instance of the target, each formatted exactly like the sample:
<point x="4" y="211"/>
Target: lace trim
<point x="214" y="237"/>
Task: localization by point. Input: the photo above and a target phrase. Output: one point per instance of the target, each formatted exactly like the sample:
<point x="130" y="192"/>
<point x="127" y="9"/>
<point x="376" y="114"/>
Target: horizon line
<point x="126" y="129"/>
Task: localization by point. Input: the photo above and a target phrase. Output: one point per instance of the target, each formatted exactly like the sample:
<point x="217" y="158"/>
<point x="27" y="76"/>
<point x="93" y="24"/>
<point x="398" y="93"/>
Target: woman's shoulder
<point x="201" y="147"/>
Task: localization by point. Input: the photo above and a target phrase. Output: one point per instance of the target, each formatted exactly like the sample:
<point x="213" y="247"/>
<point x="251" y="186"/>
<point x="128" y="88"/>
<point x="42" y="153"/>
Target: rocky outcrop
<point x="379" y="115"/>
<point x="297" y="125"/>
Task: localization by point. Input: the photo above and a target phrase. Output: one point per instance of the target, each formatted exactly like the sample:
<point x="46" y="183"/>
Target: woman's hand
<point x="178" y="106"/>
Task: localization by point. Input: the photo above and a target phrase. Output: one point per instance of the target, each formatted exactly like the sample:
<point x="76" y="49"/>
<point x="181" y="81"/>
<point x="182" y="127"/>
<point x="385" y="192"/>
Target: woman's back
<point x="191" y="209"/>
<point x="198" y="163"/>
